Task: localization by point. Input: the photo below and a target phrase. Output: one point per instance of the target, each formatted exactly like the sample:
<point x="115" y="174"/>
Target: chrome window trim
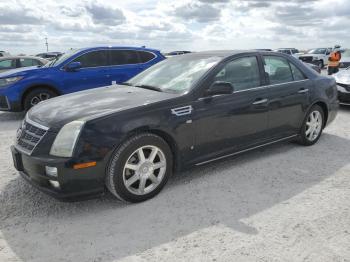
<point x="268" y="86"/>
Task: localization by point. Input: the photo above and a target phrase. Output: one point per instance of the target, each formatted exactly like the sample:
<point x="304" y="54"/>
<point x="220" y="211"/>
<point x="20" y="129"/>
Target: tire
<point x="37" y="95"/>
<point x="321" y="64"/>
<point x="118" y="173"/>
<point x="311" y="131"/>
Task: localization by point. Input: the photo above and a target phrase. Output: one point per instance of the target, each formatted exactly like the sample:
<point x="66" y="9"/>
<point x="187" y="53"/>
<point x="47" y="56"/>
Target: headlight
<point x="9" y="80"/>
<point x="315" y="58"/>
<point x="66" y="139"/>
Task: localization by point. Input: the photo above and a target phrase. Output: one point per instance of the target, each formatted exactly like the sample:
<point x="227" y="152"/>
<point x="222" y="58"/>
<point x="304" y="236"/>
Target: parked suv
<point x="318" y="56"/>
<point x="74" y="71"/>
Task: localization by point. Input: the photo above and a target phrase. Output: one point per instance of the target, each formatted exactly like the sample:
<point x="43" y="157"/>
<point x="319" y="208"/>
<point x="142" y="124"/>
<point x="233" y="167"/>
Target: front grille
<point x="347" y="87"/>
<point x="307" y="59"/>
<point x="344" y="64"/>
<point x="3" y="102"/>
<point x="29" y="135"/>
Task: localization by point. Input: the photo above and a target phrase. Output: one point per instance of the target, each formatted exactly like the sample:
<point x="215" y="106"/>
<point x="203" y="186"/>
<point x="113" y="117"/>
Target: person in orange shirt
<point x="334" y="60"/>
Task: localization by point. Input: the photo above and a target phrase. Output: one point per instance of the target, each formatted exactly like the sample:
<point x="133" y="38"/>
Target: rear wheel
<point x="139" y="168"/>
<point x="36" y="96"/>
<point x="312" y="127"/>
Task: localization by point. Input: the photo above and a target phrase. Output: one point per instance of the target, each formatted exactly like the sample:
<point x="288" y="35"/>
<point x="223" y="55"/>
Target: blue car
<point x="76" y="70"/>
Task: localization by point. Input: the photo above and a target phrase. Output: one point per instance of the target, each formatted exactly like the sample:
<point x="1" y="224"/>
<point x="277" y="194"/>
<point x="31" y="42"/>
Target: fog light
<point x="51" y="171"/>
<point x="54" y="184"/>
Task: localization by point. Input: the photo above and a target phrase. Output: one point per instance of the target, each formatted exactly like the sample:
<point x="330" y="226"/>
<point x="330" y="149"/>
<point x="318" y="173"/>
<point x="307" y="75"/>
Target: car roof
<point x="19" y="57"/>
<point x="118" y="47"/>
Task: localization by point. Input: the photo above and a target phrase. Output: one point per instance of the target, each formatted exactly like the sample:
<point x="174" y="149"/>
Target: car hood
<point x="93" y="103"/>
<point x="343" y="77"/>
<point x="19" y="71"/>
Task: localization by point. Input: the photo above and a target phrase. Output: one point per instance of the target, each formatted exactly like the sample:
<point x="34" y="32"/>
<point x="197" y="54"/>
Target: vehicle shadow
<point x="11" y="116"/>
<point x="38" y="228"/>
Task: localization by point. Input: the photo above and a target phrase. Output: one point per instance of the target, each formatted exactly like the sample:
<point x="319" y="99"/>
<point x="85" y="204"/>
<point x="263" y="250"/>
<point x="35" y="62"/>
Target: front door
<point x="232" y="122"/>
<point x="94" y="72"/>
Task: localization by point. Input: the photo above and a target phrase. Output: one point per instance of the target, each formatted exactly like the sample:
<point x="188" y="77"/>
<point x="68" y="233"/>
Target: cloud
<point x="201" y="13"/>
<point x="167" y="25"/>
<point x="105" y="15"/>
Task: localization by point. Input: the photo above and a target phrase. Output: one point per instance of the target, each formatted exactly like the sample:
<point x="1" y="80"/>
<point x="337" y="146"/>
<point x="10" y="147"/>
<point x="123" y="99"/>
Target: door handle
<point x="260" y="101"/>
<point x="303" y="91"/>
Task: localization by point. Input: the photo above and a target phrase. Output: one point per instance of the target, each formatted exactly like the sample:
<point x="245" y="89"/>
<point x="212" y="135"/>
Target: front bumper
<point x="74" y="185"/>
<point x="343" y="95"/>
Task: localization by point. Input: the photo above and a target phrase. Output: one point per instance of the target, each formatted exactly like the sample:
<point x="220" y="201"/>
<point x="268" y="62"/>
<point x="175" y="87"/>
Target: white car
<point x="290" y="51"/>
<point x="3" y="53"/>
<point x="345" y="59"/>
<point x="343" y="85"/>
<point x="317" y="56"/>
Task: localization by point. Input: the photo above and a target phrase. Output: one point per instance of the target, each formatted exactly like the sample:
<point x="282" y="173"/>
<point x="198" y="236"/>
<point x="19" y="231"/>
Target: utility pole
<point x="47" y="45"/>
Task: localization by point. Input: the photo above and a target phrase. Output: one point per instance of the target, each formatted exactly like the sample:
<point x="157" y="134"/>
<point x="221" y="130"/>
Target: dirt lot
<point x="282" y="203"/>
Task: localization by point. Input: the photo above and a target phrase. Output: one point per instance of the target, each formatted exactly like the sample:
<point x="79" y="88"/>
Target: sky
<point x="173" y="25"/>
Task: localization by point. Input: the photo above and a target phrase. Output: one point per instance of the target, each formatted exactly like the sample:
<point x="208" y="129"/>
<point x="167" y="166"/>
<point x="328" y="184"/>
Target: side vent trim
<point x="181" y="111"/>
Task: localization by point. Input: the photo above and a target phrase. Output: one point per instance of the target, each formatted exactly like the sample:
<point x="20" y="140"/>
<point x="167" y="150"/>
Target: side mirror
<point x="72" y="67"/>
<point x="220" y="88"/>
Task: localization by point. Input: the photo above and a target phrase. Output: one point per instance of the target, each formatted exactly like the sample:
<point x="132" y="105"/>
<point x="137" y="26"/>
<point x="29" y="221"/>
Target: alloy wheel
<point x="313" y="125"/>
<point x="39" y="98"/>
<point x="144" y="170"/>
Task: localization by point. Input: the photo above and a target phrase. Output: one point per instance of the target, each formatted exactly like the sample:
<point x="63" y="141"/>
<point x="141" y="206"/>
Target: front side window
<point x="242" y="73"/>
<point x="278" y="70"/>
<point x="297" y="74"/>
<point x="93" y="59"/>
<point x="124" y="57"/>
<point x="7" y="64"/>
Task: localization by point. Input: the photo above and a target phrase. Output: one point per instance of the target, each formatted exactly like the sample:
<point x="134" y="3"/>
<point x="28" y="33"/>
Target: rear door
<point x="94" y="72"/>
<point x="124" y="64"/>
<point x="288" y="97"/>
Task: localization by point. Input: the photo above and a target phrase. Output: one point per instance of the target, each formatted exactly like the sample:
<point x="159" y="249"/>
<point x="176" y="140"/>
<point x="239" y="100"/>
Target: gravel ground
<point x="282" y="203"/>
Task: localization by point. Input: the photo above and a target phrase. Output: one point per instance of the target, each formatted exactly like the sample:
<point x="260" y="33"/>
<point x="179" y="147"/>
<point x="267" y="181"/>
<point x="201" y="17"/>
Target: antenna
<point x="47" y="45"/>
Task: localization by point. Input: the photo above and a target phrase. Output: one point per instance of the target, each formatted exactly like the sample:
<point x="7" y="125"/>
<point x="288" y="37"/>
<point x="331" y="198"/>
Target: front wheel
<point x="139" y="168"/>
<point x="312" y="126"/>
<point x="36" y="96"/>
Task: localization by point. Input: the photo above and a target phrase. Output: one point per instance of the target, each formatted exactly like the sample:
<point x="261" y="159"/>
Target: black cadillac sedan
<point x="184" y="111"/>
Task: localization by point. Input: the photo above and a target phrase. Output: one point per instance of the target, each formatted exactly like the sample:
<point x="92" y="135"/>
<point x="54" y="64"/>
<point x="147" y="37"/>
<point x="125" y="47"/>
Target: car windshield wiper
<point x="155" y="88"/>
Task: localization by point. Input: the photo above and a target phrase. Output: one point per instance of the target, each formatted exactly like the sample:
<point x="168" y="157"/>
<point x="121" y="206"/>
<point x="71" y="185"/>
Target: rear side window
<point x="278" y="70"/>
<point x="297" y="74"/>
<point x="146" y="56"/>
<point x="123" y="57"/>
<point x="93" y="59"/>
<point x="26" y="62"/>
<point x="242" y="73"/>
<point x="6" y="64"/>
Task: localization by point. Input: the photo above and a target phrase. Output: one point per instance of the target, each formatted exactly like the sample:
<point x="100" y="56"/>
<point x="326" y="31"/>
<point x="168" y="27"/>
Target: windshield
<point x="176" y="74"/>
<point x="62" y="58"/>
<point x="317" y="51"/>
